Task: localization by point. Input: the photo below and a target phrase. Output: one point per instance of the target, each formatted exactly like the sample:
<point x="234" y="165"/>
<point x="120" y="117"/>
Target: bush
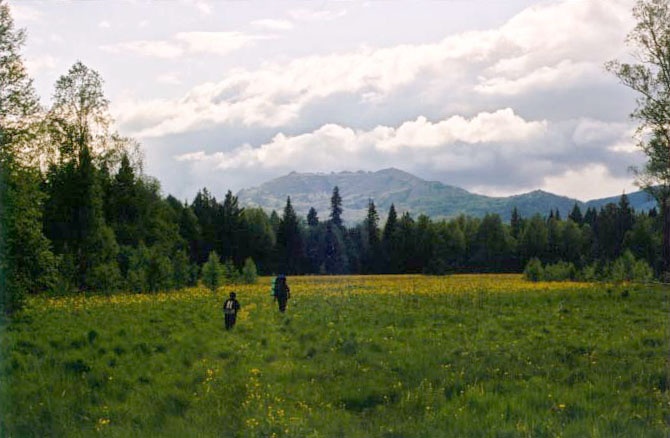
<point x="105" y="277"/>
<point x="561" y="271"/>
<point x="587" y="273"/>
<point x="249" y="272"/>
<point x="628" y="268"/>
<point x="211" y="272"/>
<point x="230" y="273"/>
<point x="534" y="270"/>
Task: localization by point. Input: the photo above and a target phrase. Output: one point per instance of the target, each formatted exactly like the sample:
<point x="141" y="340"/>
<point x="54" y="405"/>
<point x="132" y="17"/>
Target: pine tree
<point x="515" y="223"/>
<point x="290" y="241"/>
<point x="389" y="242"/>
<point x="372" y="251"/>
<point x="336" y="207"/>
<point x="230" y="226"/>
<point x="576" y="215"/>
<point x="312" y="218"/>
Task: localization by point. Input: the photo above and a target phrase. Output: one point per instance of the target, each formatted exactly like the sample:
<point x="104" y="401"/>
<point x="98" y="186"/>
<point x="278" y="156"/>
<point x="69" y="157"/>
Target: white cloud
<point x="39" y="64"/>
<point x="500" y="126"/>
<point x="169" y="78"/>
<point x="590" y="181"/>
<point x="104" y="24"/>
<point x="25" y="13"/>
<point x="303" y="14"/>
<point x="155" y="48"/>
<point x="187" y="43"/>
<point x="336" y="146"/>
<point x="217" y="43"/>
<point x="201" y="6"/>
<point x="551" y="46"/>
<point x="272" y="24"/>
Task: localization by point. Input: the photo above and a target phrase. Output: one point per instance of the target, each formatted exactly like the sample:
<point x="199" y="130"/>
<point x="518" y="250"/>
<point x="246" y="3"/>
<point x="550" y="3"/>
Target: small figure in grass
<point x="281" y="292"/>
<point x="230" y="308"/>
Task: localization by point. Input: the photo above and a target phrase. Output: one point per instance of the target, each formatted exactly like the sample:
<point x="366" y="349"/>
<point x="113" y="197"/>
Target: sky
<point x="499" y="97"/>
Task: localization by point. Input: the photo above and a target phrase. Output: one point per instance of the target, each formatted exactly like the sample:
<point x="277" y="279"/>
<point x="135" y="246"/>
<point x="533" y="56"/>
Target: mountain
<point x="408" y="193"/>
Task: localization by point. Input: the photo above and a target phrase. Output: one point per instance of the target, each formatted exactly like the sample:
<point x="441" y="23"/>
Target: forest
<point x="78" y="214"/>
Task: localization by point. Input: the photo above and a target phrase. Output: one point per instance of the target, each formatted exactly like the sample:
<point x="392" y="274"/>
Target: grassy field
<point x="396" y="356"/>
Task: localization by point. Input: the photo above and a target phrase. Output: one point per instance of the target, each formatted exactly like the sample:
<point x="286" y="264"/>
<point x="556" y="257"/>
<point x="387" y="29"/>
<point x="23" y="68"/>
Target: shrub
<point x="534" y="270"/>
<point x="230" y="273"/>
<point x="249" y="271"/>
<point x="211" y="271"/>
<point x="628" y="268"/>
<point x="561" y="271"/>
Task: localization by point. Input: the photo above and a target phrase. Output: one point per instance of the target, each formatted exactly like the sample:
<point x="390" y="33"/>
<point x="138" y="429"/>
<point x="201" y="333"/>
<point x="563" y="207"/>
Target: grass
<point x="386" y="356"/>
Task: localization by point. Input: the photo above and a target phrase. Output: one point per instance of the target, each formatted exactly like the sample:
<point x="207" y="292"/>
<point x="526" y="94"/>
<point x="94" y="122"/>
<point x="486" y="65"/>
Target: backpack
<point x="229" y="307"/>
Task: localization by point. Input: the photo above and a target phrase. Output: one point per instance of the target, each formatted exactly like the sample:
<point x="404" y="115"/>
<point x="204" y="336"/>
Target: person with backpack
<point x="281" y="292"/>
<point x="230" y="308"/>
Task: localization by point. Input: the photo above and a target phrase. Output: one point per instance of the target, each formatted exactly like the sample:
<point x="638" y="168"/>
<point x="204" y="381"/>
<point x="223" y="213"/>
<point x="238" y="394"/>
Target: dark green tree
<point x="576" y="215"/>
<point x="312" y="218"/>
<point x="515" y="223"/>
<point x="336" y="207"/>
<point x="372" y="250"/>
<point x="491" y="248"/>
<point x="534" y="239"/>
<point x="259" y="239"/>
<point x="230" y="226"/>
<point x="290" y="242"/>
<point x="389" y="242"/>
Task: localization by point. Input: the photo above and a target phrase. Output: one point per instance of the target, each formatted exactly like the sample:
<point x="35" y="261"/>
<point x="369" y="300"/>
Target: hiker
<point x="281" y="292"/>
<point x="230" y="308"/>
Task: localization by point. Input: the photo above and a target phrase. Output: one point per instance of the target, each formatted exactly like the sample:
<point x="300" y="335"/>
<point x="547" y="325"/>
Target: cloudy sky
<point x="496" y="96"/>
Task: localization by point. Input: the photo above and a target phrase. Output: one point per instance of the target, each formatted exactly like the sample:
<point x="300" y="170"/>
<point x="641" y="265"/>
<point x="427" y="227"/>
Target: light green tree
<point x="211" y="272"/>
<point x="650" y="78"/>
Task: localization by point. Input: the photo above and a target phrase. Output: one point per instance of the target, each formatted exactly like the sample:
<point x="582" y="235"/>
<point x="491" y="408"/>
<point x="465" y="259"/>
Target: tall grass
<point x="399" y="356"/>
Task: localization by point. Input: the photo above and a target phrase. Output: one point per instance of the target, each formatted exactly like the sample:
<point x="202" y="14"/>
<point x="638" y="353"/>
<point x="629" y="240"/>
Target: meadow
<point x="354" y="356"/>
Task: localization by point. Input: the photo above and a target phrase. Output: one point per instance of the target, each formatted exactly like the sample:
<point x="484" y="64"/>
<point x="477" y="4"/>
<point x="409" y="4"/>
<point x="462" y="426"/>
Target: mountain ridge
<point x="409" y="193"/>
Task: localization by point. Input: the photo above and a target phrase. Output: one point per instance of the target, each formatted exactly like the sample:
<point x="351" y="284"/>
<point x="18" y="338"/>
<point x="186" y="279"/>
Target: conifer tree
<point x="336" y="207"/>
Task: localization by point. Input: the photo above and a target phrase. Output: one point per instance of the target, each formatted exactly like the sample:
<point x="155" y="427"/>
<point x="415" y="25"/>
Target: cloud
<point x="335" y="145"/>
<point x="39" y="64"/>
<point x="588" y="182"/>
<point x="496" y="153"/>
<point x="104" y="24"/>
<point x="201" y="6"/>
<point x="548" y="47"/>
<point x="169" y="78"/>
<point x="272" y="24"/>
<point x="187" y="43"/>
<point x="303" y="14"/>
<point x="25" y="13"/>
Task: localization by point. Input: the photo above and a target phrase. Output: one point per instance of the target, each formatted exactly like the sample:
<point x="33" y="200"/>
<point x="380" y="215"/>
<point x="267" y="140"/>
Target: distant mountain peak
<point x="406" y="191"/>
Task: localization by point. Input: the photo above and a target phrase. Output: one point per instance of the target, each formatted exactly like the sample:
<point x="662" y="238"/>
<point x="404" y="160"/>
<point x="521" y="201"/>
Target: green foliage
<point x="229" y="272"/>
<point x="211" y="272"/>
<point x="560" y="271"/>
<point x="105" y="277"/>
<point x="628" y="268"/>
<point x="249" y="272"/>
<point x="624" y="269"/>
<point x="534" y="270"/>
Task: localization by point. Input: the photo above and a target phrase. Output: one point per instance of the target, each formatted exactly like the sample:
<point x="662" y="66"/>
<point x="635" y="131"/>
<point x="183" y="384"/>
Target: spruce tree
<point x="336" y="207"/>
<point x="312" y="218"/>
